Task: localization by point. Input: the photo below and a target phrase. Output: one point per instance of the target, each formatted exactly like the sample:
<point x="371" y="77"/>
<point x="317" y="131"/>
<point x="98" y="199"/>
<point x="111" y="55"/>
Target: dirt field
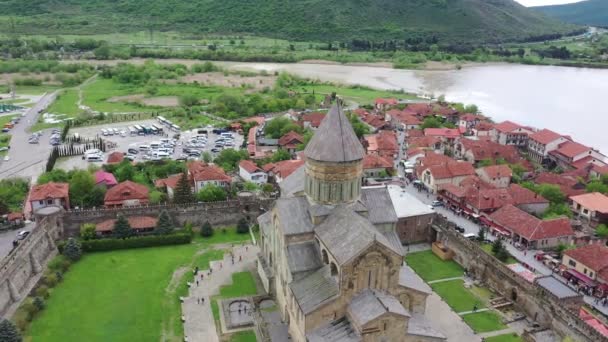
<point x="219" y="79"/>
<point x="159" y="101"/>
<point x="47" y="77"/>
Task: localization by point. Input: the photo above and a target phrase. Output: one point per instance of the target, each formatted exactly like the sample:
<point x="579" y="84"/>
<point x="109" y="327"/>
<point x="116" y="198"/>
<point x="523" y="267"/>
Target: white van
<point x="162" y="155"/>
<point x="154" y="145"/>
<point x="104" y="132"/>
<point x="110" y="131"/>
<point x="92" y="151"/>
<point x="116" y="131"/>
<point x="144" y="147"/>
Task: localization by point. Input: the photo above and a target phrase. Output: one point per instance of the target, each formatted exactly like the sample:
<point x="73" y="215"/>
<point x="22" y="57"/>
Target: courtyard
<point x="134" y="295"/>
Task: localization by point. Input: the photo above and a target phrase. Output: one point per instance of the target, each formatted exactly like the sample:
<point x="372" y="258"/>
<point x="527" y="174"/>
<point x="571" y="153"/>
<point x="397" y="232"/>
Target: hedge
<point x="135" y="242"/>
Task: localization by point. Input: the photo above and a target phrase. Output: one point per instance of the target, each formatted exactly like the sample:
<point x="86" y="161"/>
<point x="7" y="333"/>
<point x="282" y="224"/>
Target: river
<point x="567" y="100"/>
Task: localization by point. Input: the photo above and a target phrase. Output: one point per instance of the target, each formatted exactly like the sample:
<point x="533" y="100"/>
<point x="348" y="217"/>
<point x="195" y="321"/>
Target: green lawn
<point x="66" y="103"/>
<point x="361" y="95"/>
<point x="488" y="249"/>
<point x="6" y="119"/>
<point x="504" y="338"/>
<point x="457" y="297"/>
<point x="35" y="90"/>
<point x="243" y="336"/>
<point x="429" y="267"/>
<point x="243" y="284"/>
<point x="484" y="321"/>
<point x="121" y="296"/>
<point x="223" y="235"/>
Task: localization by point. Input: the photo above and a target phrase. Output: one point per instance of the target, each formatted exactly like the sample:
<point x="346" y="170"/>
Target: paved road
<point x="7" y="238"/>
<point x="28" y="160"/>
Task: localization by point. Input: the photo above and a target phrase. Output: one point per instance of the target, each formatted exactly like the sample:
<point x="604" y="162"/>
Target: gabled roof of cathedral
<point x="294" y="183"/>
<point x="303" y="257"/>
<point x="293" y="215"/>
<point x="314" y="289"/>
<point x="369" y="305"/>
<point x="346" y="234"/>
<point x="339" y="330"/>
<point x="335" y="140"/>
<point x="379" y="205"/>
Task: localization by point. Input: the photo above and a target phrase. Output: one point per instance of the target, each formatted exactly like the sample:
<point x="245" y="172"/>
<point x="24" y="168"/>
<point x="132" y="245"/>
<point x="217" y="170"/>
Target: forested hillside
<point x="590" y="12"/>
<point x="318" y="20"/>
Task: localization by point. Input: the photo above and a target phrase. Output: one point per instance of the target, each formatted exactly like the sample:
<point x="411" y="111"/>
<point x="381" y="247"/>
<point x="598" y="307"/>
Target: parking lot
<point x="183" y="148"/>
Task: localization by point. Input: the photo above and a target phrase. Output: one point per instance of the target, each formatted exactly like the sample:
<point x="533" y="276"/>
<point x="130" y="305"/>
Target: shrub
<point x="164" y="225"/>
<point x="29" y="308"/>
<point x="59" y="264"/>
<point x="87" y="231"/>
<point x="206" y="229"/>
<point x="73" y="250"/>
<point x="50" y="280"/>
<point x="42" y="291"/>
<point x="242" y="227"/>
<point x="9" y="332"/>
<point x="135" y="242"/>
<point x="39" y="303"/>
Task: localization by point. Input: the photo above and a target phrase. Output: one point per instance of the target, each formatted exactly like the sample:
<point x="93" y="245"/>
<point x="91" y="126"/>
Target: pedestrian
<point x="240" y="258"/>
<point x="246" y="248"/>
<point x="475" y="307"/>
<point x="202" y="276"/>
<point x="197" y="282"/>
<point x="198" y="300"/>
<point x="220" y="265"/>
<point x="232" y="260"/>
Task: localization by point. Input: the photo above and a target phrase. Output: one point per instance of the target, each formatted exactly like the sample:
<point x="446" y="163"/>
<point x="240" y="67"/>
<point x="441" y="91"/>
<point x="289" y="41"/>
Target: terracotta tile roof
<point x="567" y="184"/>
<point x="497" y="171"/>
<point x="169" y="182"/>
<point x="405" y="117"/>
<point x="426" y="141"/>
<point x="594" y="201"/>
<point x="587" y="163"/>
<point x="421" y="109"/>
<point x="451" y="170"/>
<point x="283" y="168"/>
<point x="361" y="112"/>
<point x="382" y="141"/>
<point x="372" y="161"/>
<point x="195" y="166"/>
<point x="257" y="119"/>
<point x="488" y="199"/>
<point x="571" y="149"/>
<point x="105" y="177"/>
<point x="390" y="101"/>
<point x="136" y="222"/>
<point x="126" y="190"/>
<point x="594" y="256"/>
<point x="442" y="132"/>
<point x="291" y="138"/>
<point x="475" y="183"/>
<point x="115" y="158"/>
<point x="530" y="227"/>
<point x="507" y="126"/>
<point x="49" y="190"/>
<point x="414" y="133"/>
<point x="470" y="117"/>
<point x="431" y="158"/>
<point x="251" y="136"/>
<point x="14" y="216"/>
<point x="444" y="110"/>
<point x="374" y="120"/>
<point x="545" y="136"/>
<point x="210" y="173"/>
<point x="249" y="166"/>
<point x="601" y="170"/>
<point x="522" y="195"/>
<point x="484" y="126"/>
<point x="482" y="149"/>
<point x="314" y="119"/>
<point x="455" y="190"/>
<point x="414" y="151"/>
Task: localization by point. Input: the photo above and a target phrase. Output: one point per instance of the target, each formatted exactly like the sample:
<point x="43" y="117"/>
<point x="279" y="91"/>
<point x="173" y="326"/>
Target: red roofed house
<point x="403" y="120"/>
<point x="420" y="109"/>
<point x="115" y="158"/>
<point x="202" y="174"/>
<point x="483" y="129"/>
<point x="530" y="231"/>
<point x="383" y="144"/>
<point x="510" y="133"/>
<point x="542" y="142"/>
<point x="281" y="170"/>
<point x="475" y="151"/>
<point x="448" y="133"/>
<point x="572" y="155"/>
<point x="169" y="184"/>
<point x="384" y="104"/>
<point x="597" y="172"/>
<point x="375" y="122"/>
<point x="434" y="171"/>
<point x="497" y="175"/>
<point x="528" y="200"/>
<point x="591" y="261"/>
<point x="290" y="141"/>
<point x="105" y="179"/>
<point x="252" y="141"/>
<point x="312" y="120"/>
<point x="487" y="200"/>
<point x="141" y="224"/>
<point x="126" y="194"/>
<point x="468" y="121"/>
<point x="252" y="173"/>
<point x="374" y="166"/>
<point x="50" y="195"/>
<point x="593" y="207"/>
<point x="569" y="185"/>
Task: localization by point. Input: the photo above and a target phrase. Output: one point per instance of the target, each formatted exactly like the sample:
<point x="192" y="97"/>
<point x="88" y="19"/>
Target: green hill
<point x="319" y="20"/>
<point x="590" y="12"/>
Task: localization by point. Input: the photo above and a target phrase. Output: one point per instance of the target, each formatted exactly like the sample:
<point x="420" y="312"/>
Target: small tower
<point x="334" y="159"/>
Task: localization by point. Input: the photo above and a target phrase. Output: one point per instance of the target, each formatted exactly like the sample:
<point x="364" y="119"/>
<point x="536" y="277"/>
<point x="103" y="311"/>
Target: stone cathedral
<point x="330" y="254"/>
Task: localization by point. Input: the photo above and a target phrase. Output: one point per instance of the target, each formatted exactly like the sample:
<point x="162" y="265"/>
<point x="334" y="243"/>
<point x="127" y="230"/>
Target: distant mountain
<point x="589" y="12"/>
<point x="319" y="20"/>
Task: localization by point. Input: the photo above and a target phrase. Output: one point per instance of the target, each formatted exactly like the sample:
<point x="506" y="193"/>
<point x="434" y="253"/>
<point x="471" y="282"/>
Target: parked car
<point x="459" y="229"/>
<point x="470" y="236"/>
<point x="22" y="234"/>
<point x="436" y="203"/>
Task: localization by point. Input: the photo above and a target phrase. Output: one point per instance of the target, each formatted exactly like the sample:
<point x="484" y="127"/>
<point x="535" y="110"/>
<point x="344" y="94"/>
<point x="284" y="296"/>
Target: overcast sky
<point x="545" y="2"/>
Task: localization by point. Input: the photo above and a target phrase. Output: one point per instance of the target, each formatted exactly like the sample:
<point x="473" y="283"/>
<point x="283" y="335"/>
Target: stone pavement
<point x="445" y="279"/>
<point x="199" y="325"/>
<point x="470" y="312"/>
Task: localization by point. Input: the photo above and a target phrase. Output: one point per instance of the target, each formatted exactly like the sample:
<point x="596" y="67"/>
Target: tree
<point x="278" y="127"/>
<point x="502" y="254"/>
<point x="280" y="155"/>
<point x="497" y="246"/>
<point x="72" y="250"/>
<point x="229" y="158"/>
<point x="207" y="157"/>
<point x="552" y="193"/>
<point x="183" y="191"/>
<point x="211" y="193"/>
<point x="430" y="122"/>
<point x="188" y="100"/>
<point x="267" y="188"/>
<point x="9" y="332"/>
<point x="39" y="303"/>
<point x="251" y="186"/>
<point x="156" y="197"/>
<point x="81" y="184"/>
<point x="481" y="235"/>
<point x="125" y="171"/>
<point x="601" y="230"/>
<point x="242" y="227"/>
<point x="95" y="197"/>
<point x="164" y="225"/>
<point x="561" y="248"/>
<point x="122" y="228"/>
<point x="471" y="109"/>
<point x="206" y="229"/>
<point x="597" y="186"/>
<point x="87" y="231"/>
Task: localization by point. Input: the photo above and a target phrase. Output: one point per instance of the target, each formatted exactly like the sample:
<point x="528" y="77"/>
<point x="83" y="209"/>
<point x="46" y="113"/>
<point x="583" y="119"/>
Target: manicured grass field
<point x="504" y="338"/>
<point x="128" y="295"/>
<point x="243" y="284"/>
<point x="361" y="95"/>
<point x="243" y="336"/>
<point x="488" y="249"/>
<point x="429" y="267"/>
<point x="223" y="235"/>
<point x="65" y="103"/>
<point x="457" y="297"/>
<point x="484" y="321"/>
